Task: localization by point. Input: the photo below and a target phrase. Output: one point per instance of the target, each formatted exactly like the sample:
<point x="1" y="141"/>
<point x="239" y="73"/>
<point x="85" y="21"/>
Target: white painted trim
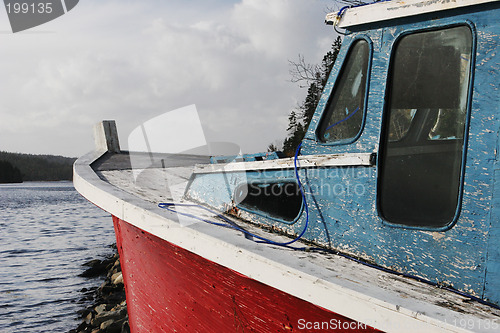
<point x="307" y="161"/>
<point x="331" y="282"/>
<point x="394" y="9"/>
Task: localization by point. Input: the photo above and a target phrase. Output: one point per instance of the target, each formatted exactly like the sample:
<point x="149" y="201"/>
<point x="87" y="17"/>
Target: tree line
<point x="16" y="167"/>
<point x="315" y="78"/>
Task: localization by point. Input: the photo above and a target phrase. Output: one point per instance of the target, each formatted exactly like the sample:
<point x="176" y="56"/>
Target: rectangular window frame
<point x="333" y="90"/>
<point x="383" y="124"/>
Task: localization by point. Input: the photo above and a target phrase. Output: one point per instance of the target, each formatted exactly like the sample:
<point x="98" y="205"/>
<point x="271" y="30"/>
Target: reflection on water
<point x="47" y="231"/>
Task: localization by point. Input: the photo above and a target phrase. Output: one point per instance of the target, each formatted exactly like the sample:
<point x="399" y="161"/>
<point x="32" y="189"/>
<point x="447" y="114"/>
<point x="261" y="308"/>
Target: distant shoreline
<point x="29" y="167"/>
<point x="34" y="182"/>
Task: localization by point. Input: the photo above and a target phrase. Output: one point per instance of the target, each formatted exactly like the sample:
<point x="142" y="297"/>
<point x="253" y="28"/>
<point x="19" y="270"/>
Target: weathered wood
<point x="310" y="161"/>
<point x="106" y="136"/>
<point x="396" y="9"/>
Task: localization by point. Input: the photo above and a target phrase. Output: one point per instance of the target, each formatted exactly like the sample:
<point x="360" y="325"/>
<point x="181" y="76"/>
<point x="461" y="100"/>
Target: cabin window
<point x="343" y="119"/>
<point x="422" y="141"/>
<point x="278" y="200"/>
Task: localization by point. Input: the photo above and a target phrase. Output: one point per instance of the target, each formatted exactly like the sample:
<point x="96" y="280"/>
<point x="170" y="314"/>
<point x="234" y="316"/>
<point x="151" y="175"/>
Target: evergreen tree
<point x="9" y="173"/>
<point x="316" y="76"/>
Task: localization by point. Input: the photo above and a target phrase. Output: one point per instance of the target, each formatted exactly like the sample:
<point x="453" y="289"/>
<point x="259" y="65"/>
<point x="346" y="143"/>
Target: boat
<point x="386" y="219"/>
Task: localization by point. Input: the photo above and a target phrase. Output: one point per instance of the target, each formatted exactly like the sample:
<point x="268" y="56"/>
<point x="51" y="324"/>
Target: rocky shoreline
<point x="108" y="312"/>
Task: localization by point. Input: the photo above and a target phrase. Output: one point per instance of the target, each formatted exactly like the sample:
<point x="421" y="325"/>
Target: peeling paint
<point x="467" y="255"/>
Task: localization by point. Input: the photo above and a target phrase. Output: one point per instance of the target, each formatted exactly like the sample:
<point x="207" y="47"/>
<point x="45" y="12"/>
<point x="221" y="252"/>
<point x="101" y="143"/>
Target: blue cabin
<point x="400" y="164"/>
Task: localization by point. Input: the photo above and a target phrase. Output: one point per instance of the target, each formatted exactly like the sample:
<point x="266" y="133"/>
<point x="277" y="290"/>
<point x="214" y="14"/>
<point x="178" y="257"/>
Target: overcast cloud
<point x="134" y="60"/>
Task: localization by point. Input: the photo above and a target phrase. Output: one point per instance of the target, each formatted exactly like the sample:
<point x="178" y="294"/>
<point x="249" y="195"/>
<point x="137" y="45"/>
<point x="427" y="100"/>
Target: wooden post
<point x="106" y="136"/>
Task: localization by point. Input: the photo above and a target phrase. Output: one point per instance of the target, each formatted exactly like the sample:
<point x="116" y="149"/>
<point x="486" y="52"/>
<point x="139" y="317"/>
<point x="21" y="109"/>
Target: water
<point x="47" y="231"/>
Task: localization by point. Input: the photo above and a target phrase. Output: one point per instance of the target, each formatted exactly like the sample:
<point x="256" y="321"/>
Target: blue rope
<point x="232" y="225"/>
<point x="342" y="120"/>
<point x="343" y="9"/>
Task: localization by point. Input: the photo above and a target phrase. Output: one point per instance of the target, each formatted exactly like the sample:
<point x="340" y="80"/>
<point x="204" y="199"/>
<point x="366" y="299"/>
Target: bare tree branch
<point x="302" y="71"/>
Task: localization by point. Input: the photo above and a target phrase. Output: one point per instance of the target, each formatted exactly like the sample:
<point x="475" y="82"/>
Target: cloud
<point x="276" y="27"/>
<point x="132" y="61"/>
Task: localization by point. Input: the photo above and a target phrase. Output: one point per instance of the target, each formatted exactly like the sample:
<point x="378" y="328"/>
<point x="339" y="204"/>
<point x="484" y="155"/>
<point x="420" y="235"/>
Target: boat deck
<point x="132" y="191"/>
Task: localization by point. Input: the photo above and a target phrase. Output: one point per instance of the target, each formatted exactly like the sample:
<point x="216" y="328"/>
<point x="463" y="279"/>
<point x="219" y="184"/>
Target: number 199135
<point x="32" y="8"/>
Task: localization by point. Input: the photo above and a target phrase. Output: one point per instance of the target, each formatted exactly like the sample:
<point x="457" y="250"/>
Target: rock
<point x="119" y="306"/>
<point x="116" y="265"/>
<point x="111" y="315"/>
<point x="81" y="327"/>
<point x="88" y="318"/>
<point x="86" y="298"/>
<point x="92" y="263"/>
<point x="106" y="324"/>
<point x="83" y="313"/>
<point x="98" y="268"/>
<point x="116" y="297"/>
<point x="117" y="278"/>
<point x="117" y="326"/>
<point x="109" y="312"/>
<point x="109" y="289"/>
<point x="114" y="326"/>
<point x="125" y="326"/>
<point x="100" y="308"/>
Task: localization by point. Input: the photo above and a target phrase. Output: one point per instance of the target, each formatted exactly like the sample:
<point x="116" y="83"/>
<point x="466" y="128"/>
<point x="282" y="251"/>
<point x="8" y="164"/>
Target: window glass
<point x="448" y="125"/>
<point x="424" y="128"/>
<point x="343" y="118"/>
<point x="280" y="200"/>
<point x="400" y="123"/>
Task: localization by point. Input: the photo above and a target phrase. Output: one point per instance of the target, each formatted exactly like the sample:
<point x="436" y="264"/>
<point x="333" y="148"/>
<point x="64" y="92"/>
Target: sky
<point x="134" y="60"/>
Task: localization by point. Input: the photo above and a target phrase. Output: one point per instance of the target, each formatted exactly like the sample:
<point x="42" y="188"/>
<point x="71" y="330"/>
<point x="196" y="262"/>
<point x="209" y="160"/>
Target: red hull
<point x="170" y="289"/>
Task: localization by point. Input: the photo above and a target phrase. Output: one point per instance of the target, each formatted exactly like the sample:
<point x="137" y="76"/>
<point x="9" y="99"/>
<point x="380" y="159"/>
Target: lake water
<point x="47" y="231"/>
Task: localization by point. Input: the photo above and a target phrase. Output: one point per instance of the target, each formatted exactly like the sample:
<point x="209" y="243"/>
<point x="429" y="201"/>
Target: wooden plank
<point x="389" y="10"/>
<point x="307" y="161"/>
<point x="106" y="136"/>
